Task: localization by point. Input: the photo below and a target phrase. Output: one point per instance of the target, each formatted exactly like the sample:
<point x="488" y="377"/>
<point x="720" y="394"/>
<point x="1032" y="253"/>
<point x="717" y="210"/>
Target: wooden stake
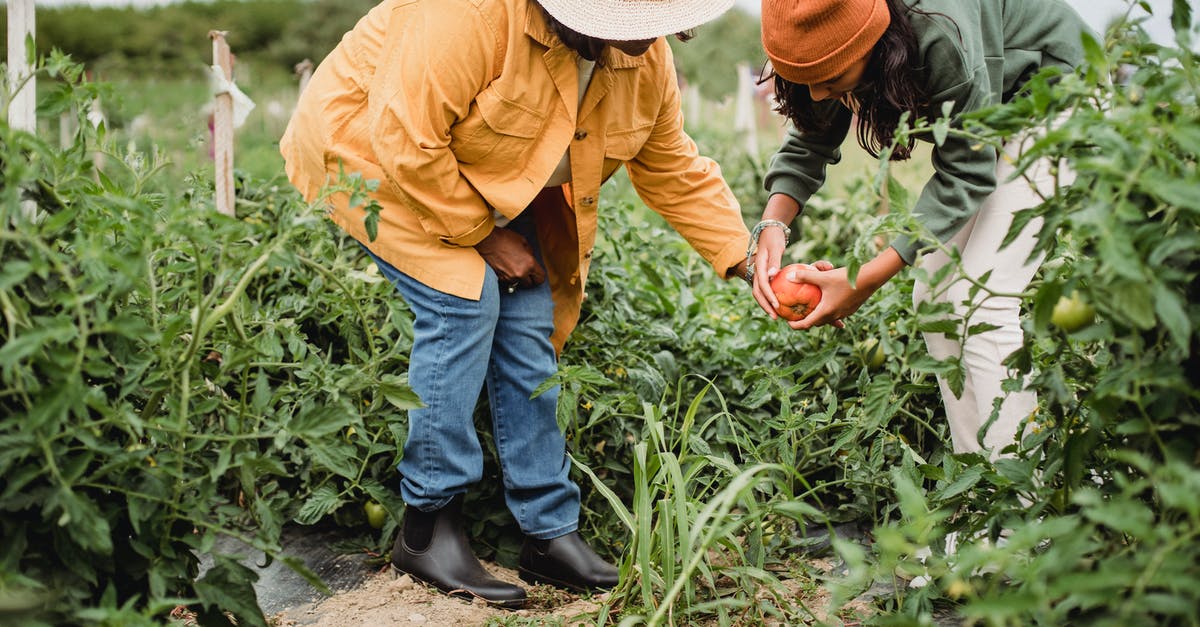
<point x="304" y="70"/>
<point x="745" y="118"/>
<point x="691" y="106"/>
<point x="223" y="126"/>
<point x="22" y="111"/>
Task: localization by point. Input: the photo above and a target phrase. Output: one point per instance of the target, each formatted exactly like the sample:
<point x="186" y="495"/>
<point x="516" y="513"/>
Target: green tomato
<point x="871" y="353"/>
<point x="1072" y="313"/>
<point x="376" y="514"/>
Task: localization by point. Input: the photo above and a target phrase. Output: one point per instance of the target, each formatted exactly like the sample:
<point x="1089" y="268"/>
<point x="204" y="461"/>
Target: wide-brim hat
<point x="631" y="20"/>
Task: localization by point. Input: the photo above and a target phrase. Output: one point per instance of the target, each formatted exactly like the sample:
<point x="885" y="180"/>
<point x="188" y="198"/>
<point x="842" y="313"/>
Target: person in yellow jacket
<point x="490" y="126"/>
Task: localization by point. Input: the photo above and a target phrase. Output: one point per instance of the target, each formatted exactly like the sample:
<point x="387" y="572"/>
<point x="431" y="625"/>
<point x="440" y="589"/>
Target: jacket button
<point x="587" y="255"/>
<point x="580" y="134"/>
<point x="587" y="200"/>
<point x="574" y="279"/>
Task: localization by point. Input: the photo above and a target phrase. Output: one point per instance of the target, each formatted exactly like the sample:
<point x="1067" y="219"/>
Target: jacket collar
<point x="536" y="28"/>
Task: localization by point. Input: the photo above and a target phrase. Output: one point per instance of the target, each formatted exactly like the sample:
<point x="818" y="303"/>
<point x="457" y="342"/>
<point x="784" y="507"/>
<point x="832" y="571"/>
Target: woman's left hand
<point x="838" y="299"/>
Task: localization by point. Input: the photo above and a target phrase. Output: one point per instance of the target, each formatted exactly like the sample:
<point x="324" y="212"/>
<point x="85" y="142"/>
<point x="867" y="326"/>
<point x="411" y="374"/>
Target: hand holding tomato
<point x="785" y="299"/>
<point x="795" y="299"/>
<point x="767" y="259"/>
<point x="838" y="299"/>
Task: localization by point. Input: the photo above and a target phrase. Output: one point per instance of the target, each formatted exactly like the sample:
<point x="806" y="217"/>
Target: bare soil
<point x="387" y="598"/>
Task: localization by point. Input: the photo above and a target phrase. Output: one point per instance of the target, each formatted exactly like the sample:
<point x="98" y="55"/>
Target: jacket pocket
<point x="621" y="146"/>
<point x="495" y="128"/>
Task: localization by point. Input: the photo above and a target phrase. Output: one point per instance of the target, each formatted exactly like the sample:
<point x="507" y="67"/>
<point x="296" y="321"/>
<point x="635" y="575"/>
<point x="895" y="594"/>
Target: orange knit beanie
<point x="812" y="41"/>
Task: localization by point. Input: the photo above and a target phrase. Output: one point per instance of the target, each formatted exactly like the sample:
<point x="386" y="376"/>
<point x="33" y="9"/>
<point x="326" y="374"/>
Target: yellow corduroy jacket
<point x="459" y="107"/>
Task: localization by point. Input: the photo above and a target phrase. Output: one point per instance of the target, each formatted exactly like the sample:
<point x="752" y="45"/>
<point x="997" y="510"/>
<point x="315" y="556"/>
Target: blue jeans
<point x="504" y="340"/>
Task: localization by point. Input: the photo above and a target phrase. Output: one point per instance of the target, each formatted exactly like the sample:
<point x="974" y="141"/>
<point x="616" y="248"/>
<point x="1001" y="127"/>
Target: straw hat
<point x="630" y="20"/>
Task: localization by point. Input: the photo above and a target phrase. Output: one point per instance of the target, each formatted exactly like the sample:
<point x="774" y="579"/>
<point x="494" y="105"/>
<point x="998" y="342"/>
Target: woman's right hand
<point x="768" y="256"/>
<point x="767" y="261"/>
<point x="511" y="257"/>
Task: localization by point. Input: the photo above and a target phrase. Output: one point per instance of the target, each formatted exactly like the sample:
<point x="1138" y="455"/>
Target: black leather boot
<point x="567" y="562"/>
<point x="432" y="548"/>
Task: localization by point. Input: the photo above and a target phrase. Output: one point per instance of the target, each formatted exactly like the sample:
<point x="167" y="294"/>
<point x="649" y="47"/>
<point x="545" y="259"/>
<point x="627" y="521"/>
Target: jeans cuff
<point x="554" y="533"/>
<point x="435" y="505"/>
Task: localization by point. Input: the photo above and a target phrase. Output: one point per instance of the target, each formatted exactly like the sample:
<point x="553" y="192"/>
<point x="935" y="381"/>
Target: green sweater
<point x="1002" y="43"/>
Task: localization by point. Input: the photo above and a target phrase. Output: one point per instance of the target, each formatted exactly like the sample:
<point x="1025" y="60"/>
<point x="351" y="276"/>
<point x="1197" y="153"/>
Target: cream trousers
<point x="982" y="354"/>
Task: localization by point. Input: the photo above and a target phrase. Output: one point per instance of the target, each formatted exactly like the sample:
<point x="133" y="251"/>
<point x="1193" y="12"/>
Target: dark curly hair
<point x="587" y="47"/>
<point x="893" y="83"/>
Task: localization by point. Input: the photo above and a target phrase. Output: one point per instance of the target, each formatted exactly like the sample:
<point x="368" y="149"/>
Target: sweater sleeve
<point x="964" y="174"/>
<point x="798" y="167"/>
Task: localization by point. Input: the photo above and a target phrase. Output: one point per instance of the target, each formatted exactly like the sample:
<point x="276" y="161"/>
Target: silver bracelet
<point x="752" y="248"/>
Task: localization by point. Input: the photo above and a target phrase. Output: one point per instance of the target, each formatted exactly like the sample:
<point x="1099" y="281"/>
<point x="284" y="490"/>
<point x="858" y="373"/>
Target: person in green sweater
<point x="866" y="63"/>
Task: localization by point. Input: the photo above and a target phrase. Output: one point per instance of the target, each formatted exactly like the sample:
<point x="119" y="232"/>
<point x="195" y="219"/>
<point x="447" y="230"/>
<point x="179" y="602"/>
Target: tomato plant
<point x="171" y="376"/>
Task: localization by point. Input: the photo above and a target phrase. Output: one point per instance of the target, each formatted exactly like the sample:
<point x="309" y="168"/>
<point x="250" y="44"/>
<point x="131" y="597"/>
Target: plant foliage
<point x="171" y="376"/>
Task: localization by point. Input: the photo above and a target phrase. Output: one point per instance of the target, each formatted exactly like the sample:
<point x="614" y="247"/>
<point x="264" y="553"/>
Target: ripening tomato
<point x="795" y="299"/>
<point x="1072" y="313"/>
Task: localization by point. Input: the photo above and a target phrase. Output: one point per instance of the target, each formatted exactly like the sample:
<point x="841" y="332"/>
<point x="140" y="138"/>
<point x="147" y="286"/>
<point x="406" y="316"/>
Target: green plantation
<point x="172" y="376"/>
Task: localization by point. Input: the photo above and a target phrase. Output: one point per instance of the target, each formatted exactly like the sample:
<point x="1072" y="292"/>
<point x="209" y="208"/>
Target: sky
<point x="1097" y="13"/>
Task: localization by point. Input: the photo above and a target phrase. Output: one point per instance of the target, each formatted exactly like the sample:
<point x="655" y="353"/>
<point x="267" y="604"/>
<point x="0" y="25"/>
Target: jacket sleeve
<point x="798" y="168"/>
<point x="685" y="188"/>
<point x="963" y="175"/>
<point x="439" y="56"/>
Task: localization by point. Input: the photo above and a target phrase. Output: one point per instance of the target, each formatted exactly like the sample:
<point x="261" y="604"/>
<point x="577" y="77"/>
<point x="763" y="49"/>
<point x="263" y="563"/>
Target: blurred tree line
<point x="281" y="33"/>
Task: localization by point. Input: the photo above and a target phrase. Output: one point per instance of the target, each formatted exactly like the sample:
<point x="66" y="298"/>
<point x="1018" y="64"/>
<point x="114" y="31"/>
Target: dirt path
<point x="387" y="598"/>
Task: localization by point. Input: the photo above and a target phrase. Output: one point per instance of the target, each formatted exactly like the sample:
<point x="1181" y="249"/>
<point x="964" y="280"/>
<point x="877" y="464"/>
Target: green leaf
<point x="25" y="343"/>
<point x="371" y="219"/>
<point x="313" y="423"/>
<point x="940" y="129"/>
<point x="1134" y="300"/>
<point x="877" y="401"/>
<point x="1172" y="189"/>
<point x="13" y="272"/>
<point x="899" y="198"/>
<point x="84" y="522"/>
<point x="1119" y="513"/>
<point x="398" y="393"/>
<point x="1093" y="52"/>
<point x="1181" y="19"/>
<point x="929" y="471"/>
<point x="1170" y="308"/>
<point x="300" y="568"/>
<point x="262" y="392"/>
<point x="963" y="482"/>
<point x="335" y="456"/>
<point x="797" y="510"/>
<point x="1187" y="137"/>
<point x="322" y="502"/>
<point x="229" y="586"/>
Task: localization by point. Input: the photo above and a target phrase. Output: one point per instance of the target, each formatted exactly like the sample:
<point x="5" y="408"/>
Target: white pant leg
<point x="1011" y="271"/>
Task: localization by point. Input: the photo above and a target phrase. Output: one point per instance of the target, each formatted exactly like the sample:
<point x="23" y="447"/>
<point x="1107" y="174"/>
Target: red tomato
<point x="796" y="300"/>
